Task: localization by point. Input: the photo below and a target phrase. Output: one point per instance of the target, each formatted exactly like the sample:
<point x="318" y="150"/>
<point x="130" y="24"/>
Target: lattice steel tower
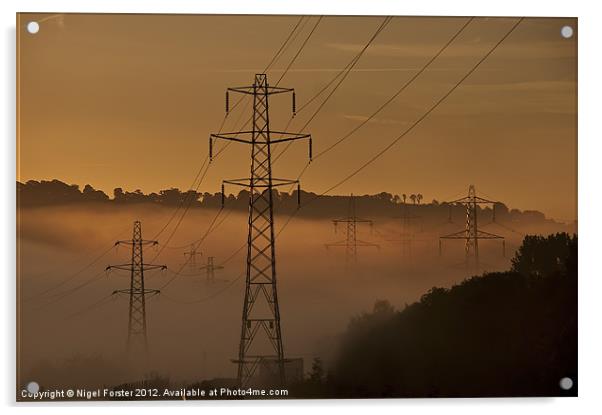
<point x="408" y="223"/>
<point x="351" y="243"/>
<point x="210" y="269"/>
<point x="192" y="254"/>
<point x="137" y="292"/>
<point x="471" y="234"/>
<point x="261" y="337"/>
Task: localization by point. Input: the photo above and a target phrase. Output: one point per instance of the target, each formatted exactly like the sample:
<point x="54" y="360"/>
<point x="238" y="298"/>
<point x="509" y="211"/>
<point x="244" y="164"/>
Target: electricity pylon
<point x="471" y="234"/>
<point x="407" y="234"/>
<point x="261" y="336"/>
<point x="351" y="243"/>
<point x="210" y="269"/>
<point x="192" y="256"/>
<point x="137" y="292"/>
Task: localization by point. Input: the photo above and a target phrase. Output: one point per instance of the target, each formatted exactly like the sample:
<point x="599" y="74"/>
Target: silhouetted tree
<point x="499" y="334"/>
<point x="540" y="255"/>
<point x="317" y="374"/>
<point x="92" y="195"/>
<point x="118" y="194"/>
<point x="171" y="196"/>
<point x="382" y="204"/>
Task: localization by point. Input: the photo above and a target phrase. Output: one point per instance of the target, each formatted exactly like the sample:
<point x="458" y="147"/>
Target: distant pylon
<point x="137" y="338"/>
<point x="351" y="243"/>
<point x="471" y="234"/>
<point x="192" y="254"/>
<point x="407" y="233"/>
<point x="210" y="269"/>
<point x="261" y="337"/>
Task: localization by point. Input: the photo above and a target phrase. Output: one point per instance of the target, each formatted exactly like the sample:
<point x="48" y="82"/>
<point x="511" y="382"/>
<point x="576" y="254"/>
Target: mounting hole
<point x="33" y="27"/>
<point x="566" y="383"/>
<point x="33" y="387"/>
<point x="566" y="32"/>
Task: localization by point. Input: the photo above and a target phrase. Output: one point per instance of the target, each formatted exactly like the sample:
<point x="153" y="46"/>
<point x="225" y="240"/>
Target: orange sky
<point x="129" y="101"/>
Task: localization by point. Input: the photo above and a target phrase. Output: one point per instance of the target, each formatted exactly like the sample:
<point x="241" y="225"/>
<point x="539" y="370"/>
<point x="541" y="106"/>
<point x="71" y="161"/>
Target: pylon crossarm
<point x="287" y="136"/>
<point x="123" y="267"/>
<point x="364" y="243"/>
<point x="455" y="235"/>
<point x="476" y="199"/>
<point x="487" y="235"/>
<point x="461" y="201"/>
<point x="233" y="136"/>
<point x="130" y="242"/>
<point x="274" y="139"/>
<point x="148" y="267"/>
<point x="137" y="292"/>
<point x="269" y="90"/>
<point x="248" y="182"/>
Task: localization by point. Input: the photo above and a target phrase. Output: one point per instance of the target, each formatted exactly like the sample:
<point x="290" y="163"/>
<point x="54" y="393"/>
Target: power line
<point x="189" y="195"/>
<point x="261" y="259"/>
<point x="175" y="229"/>
<point x="408" y="130"/>
<point x="222" y="220"/>
<point x="299" y="51"/>
<point x="185" y="199"/>
<point x="209" y="228"/>
<point x="471" y="234"/>
<point x="390" y="99"/>
<point x="209" y="297"/>
<point x="93" y="306"/>
<point x="282" y="48"/>
<point x="228" y="259"/>
<point x="279" y="53"/>
<point x="72" y="276"/>
<point x="57" y="297"/>
<point x="137" y="292"/>
<point x="285" y="45"/>
<point x="281" y="77"/>
<point x="426" y="114"/>
<point x="347" y="67"/>
<point x="351" y="243"/>
<point x="204" y="166"/>
<point x="346" y="71"/>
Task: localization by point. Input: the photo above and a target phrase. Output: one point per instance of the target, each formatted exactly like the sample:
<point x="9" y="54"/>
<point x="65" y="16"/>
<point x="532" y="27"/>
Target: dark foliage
<point x="55" y="192"/>
<point x="501" y="334"/>
<point x="540" y="255"/>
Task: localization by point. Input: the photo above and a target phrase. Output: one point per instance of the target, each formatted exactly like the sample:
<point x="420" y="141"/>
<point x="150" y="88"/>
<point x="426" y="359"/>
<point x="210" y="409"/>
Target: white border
<point x="590" y="202"/>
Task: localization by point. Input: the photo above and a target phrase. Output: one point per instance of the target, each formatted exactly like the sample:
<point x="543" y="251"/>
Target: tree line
<point x="499" y="334"/>
<point x="55" y="192"/>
